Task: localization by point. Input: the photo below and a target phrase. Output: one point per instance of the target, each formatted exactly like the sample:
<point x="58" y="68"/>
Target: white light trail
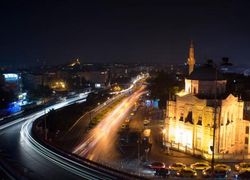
<point x="102" y="136"/>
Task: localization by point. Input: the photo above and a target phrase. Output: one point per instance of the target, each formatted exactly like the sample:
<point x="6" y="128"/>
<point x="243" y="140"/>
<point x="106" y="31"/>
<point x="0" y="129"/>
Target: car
<point x="243" y="174"/>
<point x="223" y="166"/>
<point x="199" y="166"/>
<point x="242" y="166"/>
<point x="146" y="122"/>
<point x="124" y="126"/>
<point x="186" y="172"/>
<point x="163" y="172"/>
<point x="157" y="165"/>
<point x="219" y="172"/>
<point x="177" y="166"/>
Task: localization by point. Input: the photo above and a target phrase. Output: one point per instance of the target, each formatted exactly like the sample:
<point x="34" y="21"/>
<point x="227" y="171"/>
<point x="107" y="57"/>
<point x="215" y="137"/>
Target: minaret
<point x="191" y="60"/>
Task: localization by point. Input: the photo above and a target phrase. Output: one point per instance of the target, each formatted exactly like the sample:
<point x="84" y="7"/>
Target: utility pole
<point x="214" y="125"/>
<point x="138" y="154"/>
<point x="45" y="126"/>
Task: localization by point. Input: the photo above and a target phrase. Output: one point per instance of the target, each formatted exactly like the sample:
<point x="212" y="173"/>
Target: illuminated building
<point x="190" y="118"/>
<point x="98" y="77"/>
<point x="12" y="81"/>
<point x="58" y="86"/>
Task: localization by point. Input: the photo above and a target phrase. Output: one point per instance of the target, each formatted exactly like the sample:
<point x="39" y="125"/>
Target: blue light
<point x="148" y="103"/>
<point x="156" y="103"/>
<point x="10" y="77"/>
<point x="14" y="107"/>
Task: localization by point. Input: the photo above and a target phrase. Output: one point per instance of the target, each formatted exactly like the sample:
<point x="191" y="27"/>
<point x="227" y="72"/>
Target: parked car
<point x="186" y="172"/>
<point x="243" y="174"/>
<point x="177" y="166"/>
<point x="224" y="166"/>
<point x="219" y="172"/>
<point x="242" y="166"/>
<point x="146" y="122"/>
<point x="157" y="165"/>
<point x="163" y="172"/>
<point x="199" y="166"/>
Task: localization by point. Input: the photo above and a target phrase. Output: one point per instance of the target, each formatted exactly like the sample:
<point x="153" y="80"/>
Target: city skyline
<point x="123" y="32"/>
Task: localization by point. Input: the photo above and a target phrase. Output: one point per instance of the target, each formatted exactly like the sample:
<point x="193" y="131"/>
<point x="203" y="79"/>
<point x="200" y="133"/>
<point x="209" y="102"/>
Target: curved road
<point x="20" y="156"/>
<point x="24" y="160"/>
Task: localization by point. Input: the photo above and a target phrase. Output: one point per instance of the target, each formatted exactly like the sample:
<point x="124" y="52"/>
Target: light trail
<point x="137" y="79"/>
<point x="44" y="111"/>
<point x="87" y="170"/>
<point x="84" y="171"/>
<point x="98" y="142"/>
<point x="68" y="164"/>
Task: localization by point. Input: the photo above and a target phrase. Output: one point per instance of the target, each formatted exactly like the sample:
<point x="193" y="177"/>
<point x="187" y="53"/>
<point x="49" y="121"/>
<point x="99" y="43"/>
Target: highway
<point x="24" y="158"/>
<point x="18" y="153"/>
<point x="100" y="141"/>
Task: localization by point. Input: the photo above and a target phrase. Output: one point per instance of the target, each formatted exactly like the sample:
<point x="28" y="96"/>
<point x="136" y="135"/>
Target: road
<point x="25" y="158"/>
<point x="78" y="130"/>
<point x="99" y="144"/>
<point x="21" y="158"/>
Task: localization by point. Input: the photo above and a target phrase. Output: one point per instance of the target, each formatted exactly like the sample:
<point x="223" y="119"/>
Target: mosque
<point x="191" y="115"/>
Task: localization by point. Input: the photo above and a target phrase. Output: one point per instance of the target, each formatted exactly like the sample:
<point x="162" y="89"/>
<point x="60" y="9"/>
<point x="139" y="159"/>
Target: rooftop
<point x="206" y="73"/>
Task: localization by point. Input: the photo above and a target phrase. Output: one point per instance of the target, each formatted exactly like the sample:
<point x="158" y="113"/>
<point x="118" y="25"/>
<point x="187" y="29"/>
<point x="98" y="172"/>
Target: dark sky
<point x="123" y="31"/>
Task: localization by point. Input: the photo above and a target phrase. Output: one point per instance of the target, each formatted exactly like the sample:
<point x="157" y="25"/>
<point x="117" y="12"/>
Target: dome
<point x="205" y="73"/>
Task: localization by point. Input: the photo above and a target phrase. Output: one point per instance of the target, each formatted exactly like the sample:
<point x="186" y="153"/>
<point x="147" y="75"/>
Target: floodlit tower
<point x="191" y="60"/>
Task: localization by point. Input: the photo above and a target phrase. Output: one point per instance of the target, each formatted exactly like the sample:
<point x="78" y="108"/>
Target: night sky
<point x="123" y="31"/>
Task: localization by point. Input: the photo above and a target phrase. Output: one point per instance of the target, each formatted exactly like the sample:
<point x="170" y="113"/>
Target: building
<point x="190" y="117"/>
<point x="98" y="78"/>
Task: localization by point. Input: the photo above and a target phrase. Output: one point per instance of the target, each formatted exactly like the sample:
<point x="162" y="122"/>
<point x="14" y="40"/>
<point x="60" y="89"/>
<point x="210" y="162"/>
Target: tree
<point x="163" y="87"/>
<point x="6" y="97"/>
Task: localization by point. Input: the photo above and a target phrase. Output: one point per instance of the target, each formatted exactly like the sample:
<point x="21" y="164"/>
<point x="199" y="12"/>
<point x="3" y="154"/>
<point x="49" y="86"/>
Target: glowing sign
<point x="10" y="77"/>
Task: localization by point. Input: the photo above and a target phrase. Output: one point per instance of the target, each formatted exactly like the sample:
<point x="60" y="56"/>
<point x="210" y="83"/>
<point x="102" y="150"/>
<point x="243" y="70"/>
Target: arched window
<point x="199" y="121"/>
<point x="181" y="117"/>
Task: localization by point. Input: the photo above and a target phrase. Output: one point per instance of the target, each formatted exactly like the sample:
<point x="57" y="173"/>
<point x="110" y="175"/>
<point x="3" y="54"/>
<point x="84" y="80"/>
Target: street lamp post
<point x="214" y="124"/>
<point x="147" y="151"/>
<point x="138" y="154"/>
<point x="163" y="139"/>
<point x="45" y="127"/>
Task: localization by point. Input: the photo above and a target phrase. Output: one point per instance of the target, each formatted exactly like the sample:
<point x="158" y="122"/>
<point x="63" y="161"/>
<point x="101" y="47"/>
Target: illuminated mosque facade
<point x="191" y="115"/>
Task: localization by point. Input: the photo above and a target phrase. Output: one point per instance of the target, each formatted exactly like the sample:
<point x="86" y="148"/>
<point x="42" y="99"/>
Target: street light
<point x="163" y="138"/>
<point x="214" y="124"/>
<point x="138" y="149"/>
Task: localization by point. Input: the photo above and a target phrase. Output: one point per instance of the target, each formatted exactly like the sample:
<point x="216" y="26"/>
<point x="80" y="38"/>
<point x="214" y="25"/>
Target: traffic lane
<point x="103" y="136"/>
<point x="116" y="159"/>
<point x="24" y="160"/>
<point x="78" y="131"/>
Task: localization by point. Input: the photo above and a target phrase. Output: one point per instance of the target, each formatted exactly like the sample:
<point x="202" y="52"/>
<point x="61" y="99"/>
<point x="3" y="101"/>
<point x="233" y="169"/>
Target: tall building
<point x="191" y="59"/>
<point x="190" y="118"/>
